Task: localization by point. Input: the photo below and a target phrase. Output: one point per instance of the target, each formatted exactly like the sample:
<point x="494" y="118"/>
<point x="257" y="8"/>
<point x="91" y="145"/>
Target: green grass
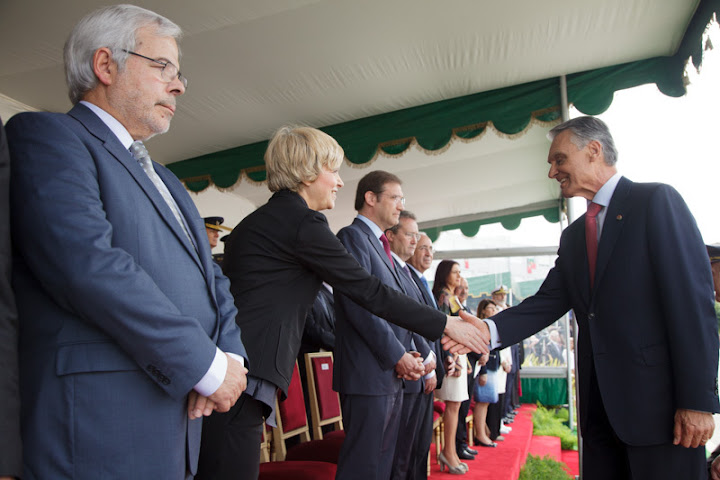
<point x="552" y="422"/>
<point x="545" y="468"/>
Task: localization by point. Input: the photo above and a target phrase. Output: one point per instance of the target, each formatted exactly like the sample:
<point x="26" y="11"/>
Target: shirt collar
<point x="397" y="259"/>
<point x="112" y="123"/>
<point x="604" y="195"/>
<point x="419" y="274"/>
<point x="375" y="229"/>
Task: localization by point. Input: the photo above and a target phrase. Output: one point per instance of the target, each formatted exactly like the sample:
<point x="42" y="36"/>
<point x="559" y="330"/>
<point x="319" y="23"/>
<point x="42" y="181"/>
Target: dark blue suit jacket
<point x="120" y="316"/>
<point x="421" y="344"/>
<point x="367" y="347"/>
<point x="10" y="450"/>
<point x="436" y="346"/>
<point x="648" y="326"/>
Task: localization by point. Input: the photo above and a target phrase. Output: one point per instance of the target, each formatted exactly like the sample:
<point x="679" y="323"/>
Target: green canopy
<point x="433" y="125"/>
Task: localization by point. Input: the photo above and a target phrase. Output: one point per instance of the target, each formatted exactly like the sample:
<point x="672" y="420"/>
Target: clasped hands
<point x="225" y="396"/>
<point x="466" y="333"/>
<point x="410" y="366"/>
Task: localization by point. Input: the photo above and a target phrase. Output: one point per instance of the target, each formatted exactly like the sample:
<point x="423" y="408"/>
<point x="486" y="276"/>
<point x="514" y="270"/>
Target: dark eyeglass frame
<point x="164" y="73"/>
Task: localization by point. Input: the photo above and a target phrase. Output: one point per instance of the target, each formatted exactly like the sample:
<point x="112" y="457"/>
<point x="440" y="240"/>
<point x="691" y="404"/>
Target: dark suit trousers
<point x="406" y="447"/>
<point x="510" y="393"/>
<point x="494" y="417"/>
<point x="230" y="448"/>
<point x="461" y="434"/>
<point x="371" y="428"/>
<point x="424" y="436"/>
<point x="605" y="456"/>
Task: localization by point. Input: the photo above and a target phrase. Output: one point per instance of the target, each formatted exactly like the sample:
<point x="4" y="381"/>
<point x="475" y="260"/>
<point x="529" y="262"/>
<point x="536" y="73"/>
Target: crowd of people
<point x="127" y="352"/>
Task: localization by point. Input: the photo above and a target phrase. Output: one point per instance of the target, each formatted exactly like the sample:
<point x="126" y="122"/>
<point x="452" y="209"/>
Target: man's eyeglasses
<point x="168" y="72"/>
<point x="428" y="248"/>
<point x="398" y="199"/>
<point x="411" y="235"/>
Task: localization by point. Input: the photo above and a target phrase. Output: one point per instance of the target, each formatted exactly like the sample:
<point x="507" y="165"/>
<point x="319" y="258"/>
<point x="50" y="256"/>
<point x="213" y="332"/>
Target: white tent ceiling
<point x="254" y="65"/>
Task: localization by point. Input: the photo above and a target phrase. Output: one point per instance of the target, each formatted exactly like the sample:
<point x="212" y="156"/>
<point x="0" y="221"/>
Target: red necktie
<point x="591" y="237"/>
<point x="386" y="246"/>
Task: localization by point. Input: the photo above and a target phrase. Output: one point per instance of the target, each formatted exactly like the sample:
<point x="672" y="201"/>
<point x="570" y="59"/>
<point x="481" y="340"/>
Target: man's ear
<point x="104" y="66"/>
<point x="595" y="149"/>
<point x="370" y="198"/>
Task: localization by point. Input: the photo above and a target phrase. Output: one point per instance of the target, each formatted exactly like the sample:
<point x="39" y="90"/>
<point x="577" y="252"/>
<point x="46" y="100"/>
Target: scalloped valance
<point x="432" y="126"/>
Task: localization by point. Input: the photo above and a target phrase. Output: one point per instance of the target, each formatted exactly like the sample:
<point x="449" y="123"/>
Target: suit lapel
<point x="196" y="228"/>
<point x="614" y="220"/>
<point x="423" y="291"/>
<point x="578" y="252"/>
<point x="375" y="242"/>
<point x="113" y="146"/>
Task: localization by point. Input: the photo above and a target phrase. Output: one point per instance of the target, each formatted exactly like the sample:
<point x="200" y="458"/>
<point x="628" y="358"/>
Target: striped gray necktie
<point x="142" y="156"/>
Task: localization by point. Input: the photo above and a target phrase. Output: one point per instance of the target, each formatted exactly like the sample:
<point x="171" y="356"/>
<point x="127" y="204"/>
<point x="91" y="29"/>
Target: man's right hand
<point x="465" y="334"/>
<point x="233" y="385"/>
<point x="410" y="366"/>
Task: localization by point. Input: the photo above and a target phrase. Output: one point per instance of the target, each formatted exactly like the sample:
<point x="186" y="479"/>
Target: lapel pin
<point x="619" y="217"/>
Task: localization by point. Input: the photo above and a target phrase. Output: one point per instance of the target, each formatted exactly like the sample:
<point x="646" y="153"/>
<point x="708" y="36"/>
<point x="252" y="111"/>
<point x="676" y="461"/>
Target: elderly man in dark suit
<point x="635" y="271"/>
<point x="371" y="356"/>
<point x="403" y="239"/>
<point x="420" y="261"/>
<point x="10" y="445"/>
<point x="127" y="331"/>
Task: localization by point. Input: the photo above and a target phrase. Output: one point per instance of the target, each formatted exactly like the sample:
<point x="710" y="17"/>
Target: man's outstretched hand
<point x="466" y="333"/>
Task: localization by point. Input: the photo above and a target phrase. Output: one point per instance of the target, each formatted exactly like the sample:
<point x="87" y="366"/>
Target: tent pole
<point x="573" y="214"/>
<point x="564" y="111"/>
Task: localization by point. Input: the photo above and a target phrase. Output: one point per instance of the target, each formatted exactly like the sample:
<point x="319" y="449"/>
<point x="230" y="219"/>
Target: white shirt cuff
<point x="428" y="359"/>
<point x="494" y="337"/>
<point x="215" y="375"/>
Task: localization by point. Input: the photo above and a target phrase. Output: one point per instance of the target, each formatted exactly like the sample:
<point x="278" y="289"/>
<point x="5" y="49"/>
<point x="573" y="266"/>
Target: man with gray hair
<point x="127" y="326"/>
<point x="635" y="271"/>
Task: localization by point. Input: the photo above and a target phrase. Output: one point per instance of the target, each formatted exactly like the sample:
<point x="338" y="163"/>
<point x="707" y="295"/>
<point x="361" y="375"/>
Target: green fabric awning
<point x="433" y="125"/>
<point x="509" y="222"/>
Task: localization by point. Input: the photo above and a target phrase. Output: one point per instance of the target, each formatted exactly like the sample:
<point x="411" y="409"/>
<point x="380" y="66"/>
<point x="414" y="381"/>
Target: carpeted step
<point x="545" y="445"/>
<point x="500" y="463"/>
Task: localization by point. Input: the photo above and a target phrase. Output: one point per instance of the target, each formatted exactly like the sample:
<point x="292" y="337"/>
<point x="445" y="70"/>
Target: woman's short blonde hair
<point x="298" y="154"/>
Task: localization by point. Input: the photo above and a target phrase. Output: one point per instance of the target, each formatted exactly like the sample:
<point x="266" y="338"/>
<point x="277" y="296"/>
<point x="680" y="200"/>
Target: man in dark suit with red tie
<point x="371" y="356"/>
<point x="635" y="272"/>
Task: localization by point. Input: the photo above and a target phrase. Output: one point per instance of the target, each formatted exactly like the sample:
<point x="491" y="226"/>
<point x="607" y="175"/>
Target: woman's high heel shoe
<point x="458" y="470"/>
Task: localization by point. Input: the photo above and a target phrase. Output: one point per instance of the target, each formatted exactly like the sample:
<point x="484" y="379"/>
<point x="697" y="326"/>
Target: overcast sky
<point x="675" y="140"/>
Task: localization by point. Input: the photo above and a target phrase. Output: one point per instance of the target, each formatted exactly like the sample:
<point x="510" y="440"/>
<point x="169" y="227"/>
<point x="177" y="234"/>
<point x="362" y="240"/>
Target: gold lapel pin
<point x="619" y="217"/>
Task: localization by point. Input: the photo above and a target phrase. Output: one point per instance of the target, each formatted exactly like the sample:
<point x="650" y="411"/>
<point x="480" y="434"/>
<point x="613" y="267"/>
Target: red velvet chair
<point x="291" y="420"/>
<point x="324" y="401"/>
<point x="297" y="471"/>
<point x="438" y="433"/>
<point x="290" y="417"/>
<point x="265" y="445"/>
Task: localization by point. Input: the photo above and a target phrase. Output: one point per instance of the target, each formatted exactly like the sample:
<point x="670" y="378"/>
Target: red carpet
<point x="571" y="459"/>
<point x="505" y="461"/>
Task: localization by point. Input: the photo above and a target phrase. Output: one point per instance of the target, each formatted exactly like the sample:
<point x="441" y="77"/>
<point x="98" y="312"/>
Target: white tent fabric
<point x="254" y="65"/>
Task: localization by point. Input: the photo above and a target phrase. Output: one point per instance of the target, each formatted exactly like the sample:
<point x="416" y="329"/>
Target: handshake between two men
<point x="463" y="334"/>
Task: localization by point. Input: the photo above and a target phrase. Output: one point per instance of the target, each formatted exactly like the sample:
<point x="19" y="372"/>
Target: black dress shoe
<point x="471" y="451"/>
<point x="465" y="455"/>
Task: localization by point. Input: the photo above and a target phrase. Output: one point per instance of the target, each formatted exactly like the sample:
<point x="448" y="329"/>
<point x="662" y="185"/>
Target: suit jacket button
<point x="591" y="316"/>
